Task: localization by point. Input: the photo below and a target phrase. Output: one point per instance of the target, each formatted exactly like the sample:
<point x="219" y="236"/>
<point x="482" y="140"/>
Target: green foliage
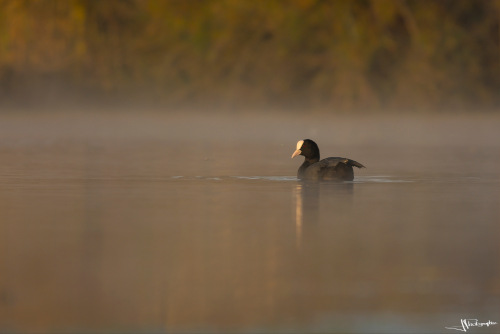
<point x="342" y="54"/>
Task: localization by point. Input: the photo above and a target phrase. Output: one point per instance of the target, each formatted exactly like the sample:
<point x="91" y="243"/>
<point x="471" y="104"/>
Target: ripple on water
<point x="268" y="178"/>
<point x="380" y="179"/>
<point x="227" y="178"/>
<point x="377" y="179"/>
<point x="361" y="179"/>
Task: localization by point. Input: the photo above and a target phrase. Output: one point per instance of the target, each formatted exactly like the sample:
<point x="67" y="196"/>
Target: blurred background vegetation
<point x="332" y="54"/>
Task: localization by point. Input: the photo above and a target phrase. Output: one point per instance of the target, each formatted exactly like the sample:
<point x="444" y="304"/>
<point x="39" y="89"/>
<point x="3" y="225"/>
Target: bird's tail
<point x="354" y="163"/>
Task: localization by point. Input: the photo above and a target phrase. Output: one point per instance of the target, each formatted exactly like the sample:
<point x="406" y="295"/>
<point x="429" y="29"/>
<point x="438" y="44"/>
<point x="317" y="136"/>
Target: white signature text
<point x="465" y="324"/>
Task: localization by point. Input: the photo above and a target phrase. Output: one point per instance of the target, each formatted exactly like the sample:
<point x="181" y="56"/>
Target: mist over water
<point x="169" y="223"/>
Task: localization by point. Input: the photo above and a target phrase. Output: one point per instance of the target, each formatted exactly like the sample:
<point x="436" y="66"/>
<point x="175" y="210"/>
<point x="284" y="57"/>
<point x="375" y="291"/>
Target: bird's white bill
<point x="297" y="152"/>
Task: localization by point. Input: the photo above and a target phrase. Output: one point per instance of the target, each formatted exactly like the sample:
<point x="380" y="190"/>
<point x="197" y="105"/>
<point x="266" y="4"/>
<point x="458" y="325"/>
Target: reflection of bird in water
<point x="326" y="169"/>
<point x="306" y="207"/>
<point x="308" y="196"/>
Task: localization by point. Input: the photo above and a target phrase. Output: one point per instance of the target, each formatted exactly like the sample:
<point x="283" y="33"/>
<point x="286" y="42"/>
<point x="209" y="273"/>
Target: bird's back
<point x="333" y="168"/>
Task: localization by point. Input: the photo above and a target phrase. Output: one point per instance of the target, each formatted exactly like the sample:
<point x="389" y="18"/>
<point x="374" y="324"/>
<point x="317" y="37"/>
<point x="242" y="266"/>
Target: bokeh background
<point x="146" y="184"/>
<point x="334" y="55"/>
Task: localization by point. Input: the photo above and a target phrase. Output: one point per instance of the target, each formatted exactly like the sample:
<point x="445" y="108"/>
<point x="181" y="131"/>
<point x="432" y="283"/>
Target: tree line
<point x="331" y="54"/>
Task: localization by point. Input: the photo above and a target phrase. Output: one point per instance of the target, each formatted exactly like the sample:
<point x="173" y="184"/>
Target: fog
<point x="148" y="222"/>
<point x="146" y="184"/>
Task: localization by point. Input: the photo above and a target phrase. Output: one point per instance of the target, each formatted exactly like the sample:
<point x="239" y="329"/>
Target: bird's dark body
<point x="329" y="169"/>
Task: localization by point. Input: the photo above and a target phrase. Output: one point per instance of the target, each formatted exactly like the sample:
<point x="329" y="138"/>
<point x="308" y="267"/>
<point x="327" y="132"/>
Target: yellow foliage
<point x="345" y="53"/>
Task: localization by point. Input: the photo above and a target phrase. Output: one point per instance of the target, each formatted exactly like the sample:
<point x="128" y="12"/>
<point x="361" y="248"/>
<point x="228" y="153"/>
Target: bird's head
<point x="308" y="148"/>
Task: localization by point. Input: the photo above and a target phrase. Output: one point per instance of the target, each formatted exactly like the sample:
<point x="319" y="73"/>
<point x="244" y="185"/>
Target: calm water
<point x="124" y="223"/>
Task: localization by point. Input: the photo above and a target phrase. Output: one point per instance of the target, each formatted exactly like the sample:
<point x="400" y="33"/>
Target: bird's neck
<point x="312" y="160"/>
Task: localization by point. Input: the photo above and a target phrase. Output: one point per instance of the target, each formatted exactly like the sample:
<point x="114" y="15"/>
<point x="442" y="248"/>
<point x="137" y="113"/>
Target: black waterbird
<point x="322" y="170"/>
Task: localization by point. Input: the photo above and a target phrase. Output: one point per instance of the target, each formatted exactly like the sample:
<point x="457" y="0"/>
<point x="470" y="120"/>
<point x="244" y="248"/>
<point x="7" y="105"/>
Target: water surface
<point x="197" y="224"/>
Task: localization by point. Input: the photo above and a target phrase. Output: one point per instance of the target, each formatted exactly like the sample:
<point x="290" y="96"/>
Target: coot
<point x="326" y="169"/>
